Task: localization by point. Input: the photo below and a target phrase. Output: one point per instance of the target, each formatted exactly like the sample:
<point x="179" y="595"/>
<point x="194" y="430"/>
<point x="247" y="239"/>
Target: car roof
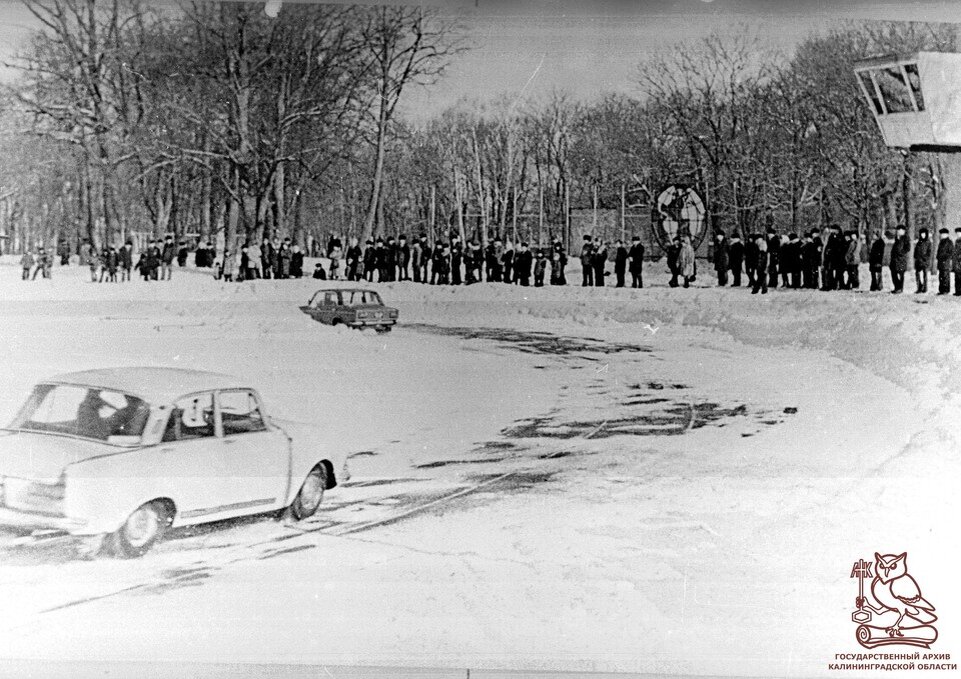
<point x="154" y="385"/>
<point x="345" y="290"/>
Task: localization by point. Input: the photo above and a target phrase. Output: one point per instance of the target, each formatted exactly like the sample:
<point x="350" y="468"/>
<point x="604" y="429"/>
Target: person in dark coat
<point x="557" y="268"/>
<point x="441" y="265"/>
<point x="750" y="259"/>
<point x="945" y="258"/>
<point x="760" y="266"/>
<point x="167" y="256"/>
<point x="403" y="259"/>
<point x="587" y="262"/>
<point x="722" y="258"/>
<point x="507" y="259"/>
<point x="425" y="258"/>
<point x="620" y="263"/>
<point x="735" y="255"/>
<point x="126" y="260"/>
<point x="812" y="257"/>
<point x="540" y="268"/>
<point x="957" y="262"/>
<point x="773" y="256"/>
<point x="297" y="262"/>
<point x="523" y="264"/>
<point x="899" y="260"/>
<point x="266" y="258"/>
<point x="370" y="261"/>
<point x="416" y="254"/>
<point x="922" y="261"/>
<point x="599" y="260"/>
<point x="352" y="260"/>
<point x="152" y="262"/>
<point x="791" y="256"/>
<point x="673" y="255"/>
<point x="467" y="257"/>
<point x="876" y="262"/>
<point x="182" y="254"/>
<point x="456" y="259"/>
<point x="636" y="256"/>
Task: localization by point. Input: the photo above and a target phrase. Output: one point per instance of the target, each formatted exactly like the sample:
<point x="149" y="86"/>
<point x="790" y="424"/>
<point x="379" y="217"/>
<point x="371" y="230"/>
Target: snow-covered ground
<point x="667" y="481"/>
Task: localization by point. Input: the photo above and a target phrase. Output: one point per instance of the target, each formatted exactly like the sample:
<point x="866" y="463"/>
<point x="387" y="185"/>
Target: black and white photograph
<point x="480" y="339"/>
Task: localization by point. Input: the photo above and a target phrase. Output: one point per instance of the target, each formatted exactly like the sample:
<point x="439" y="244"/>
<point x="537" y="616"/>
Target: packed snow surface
<point x="658" y="480"/>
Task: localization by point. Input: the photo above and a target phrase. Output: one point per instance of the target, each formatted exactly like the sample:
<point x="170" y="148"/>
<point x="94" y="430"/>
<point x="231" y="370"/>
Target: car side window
<point x="330" y="299"/>
<point x="191" y="418"/>
<point x="240" y="413"/>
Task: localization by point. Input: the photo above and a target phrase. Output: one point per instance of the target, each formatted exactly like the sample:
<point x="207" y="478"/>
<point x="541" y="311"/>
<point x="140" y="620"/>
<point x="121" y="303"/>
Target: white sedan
<point x="122" y="454"/>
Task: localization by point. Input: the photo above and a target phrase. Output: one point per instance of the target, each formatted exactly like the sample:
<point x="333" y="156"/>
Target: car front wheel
<point x="141" y="531"/>
<point x="311" y="494"/>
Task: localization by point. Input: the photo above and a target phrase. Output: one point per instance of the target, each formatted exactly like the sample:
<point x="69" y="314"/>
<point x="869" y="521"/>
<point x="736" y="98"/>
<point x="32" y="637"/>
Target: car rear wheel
<point x="311" y="494"/>
<point x="141" y="531"/>
<point x="384" y="328"/>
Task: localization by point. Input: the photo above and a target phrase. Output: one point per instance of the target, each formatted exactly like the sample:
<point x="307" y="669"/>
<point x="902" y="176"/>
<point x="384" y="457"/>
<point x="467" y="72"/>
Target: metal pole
<point x="623" y="213"/>
<point x="433" y="213"/>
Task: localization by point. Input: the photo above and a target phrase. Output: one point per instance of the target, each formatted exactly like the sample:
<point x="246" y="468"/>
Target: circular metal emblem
<point x="679" y="210"/>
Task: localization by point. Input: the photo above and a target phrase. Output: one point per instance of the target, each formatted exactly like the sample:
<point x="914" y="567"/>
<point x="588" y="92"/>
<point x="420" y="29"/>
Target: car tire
<point x="144" y="527"/>
<point x="310" y="495"/>
<point x="384" y="328"/>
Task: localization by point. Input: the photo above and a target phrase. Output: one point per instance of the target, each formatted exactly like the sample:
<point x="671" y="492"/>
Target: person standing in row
<point x="876" y="262"/>
<point x="416" y="252"/>
<point x="760" y="265"/>
<point x="403" y="259"/>
<point x="425" y="258"/>
<point x="957" y="262"/>
<point x="620" y="263"/>
<point x="685" y="263"/>
<point x="540" y="268"/>
<point x="523" y="264"/>
<point x="636" y="255"/>
<point x="793" y="261"/>
<point x="922" y="261"/>
<point x="167" y="255"/>
<point x="945" y="258"/>
<point x="813" y="259"/>
<point x="773" y="256"/>
<point x="735" y="259"/>
<point x="852" y="261"/>
<point x="599" y="259"/>
<point x="899" y="260"/>
<point x="126" y="261"/>
<point x="26" y="263"/>
<point x="587" y="263"/>
<point x="722" y="258"/>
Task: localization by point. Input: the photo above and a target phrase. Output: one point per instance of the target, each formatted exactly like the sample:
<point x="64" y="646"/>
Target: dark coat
<point x="945" y="255"/>
<point x="126" y="257"/>
<point x="404" y="251"/>
<point x="922" y="255"/>
<point x="735" y="255"/>
<point x="957" y="254"/>
<point x="523" y="263"/>
<point x="637" y="257"/>
<point x="811" y="254"/>
<point x="673" y="254"/>
<point x="722" y="256"/>
<point x="899" y="254"/>
<point x="790" y="257"/>
<point x="168" y="254"/>
<point x="620" y="260"/>
<point x="876" y="256"/>
<point x="773" y="252"/>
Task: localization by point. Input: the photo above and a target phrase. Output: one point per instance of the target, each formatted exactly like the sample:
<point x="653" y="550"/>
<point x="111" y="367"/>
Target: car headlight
<point x="393" y="314"/>
<point x="361" y="314"/>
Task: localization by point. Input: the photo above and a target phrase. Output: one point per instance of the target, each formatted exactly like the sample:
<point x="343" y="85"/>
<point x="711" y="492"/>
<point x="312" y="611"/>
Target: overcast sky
<point x="591" y="47"/>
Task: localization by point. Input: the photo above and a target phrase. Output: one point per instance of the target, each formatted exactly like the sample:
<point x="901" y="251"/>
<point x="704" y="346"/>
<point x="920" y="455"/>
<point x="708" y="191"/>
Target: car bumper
<point x="366" y="322"/>
<point x="18" y="519"/>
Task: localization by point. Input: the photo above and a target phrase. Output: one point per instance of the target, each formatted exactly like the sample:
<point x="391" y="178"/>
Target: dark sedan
<point x="357" y="308"/>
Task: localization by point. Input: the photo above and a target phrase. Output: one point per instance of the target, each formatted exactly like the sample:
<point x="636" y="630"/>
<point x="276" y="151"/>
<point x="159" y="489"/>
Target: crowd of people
<point x="811" y="261"/>
<point x="453" y="263"/>
<point x="833" y="262"/>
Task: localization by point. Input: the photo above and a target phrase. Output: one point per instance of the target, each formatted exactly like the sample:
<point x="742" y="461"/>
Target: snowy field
<point x="660" y="481"/>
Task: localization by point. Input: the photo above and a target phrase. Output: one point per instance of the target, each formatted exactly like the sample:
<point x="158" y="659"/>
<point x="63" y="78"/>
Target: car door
<point x="258" y="455"/>
<point x="192" y="460"/>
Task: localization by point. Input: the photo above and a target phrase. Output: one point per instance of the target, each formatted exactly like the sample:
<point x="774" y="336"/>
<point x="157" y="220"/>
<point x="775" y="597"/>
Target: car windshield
<point x="88" y="412"/>
<point x="362" y="297"/>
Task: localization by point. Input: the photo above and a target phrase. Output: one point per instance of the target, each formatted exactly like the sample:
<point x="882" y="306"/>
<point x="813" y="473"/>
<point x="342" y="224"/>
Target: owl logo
<point x="898" y="614"/>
